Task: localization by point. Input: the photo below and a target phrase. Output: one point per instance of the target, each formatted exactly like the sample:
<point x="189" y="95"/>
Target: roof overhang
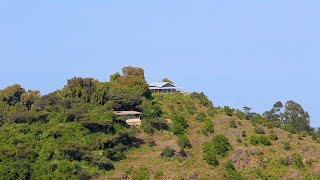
<point x="127" y="113"/>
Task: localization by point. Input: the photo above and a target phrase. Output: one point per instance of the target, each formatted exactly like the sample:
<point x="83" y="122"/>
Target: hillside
<point x="74" y="133"/>
<point x="252" y="161"/>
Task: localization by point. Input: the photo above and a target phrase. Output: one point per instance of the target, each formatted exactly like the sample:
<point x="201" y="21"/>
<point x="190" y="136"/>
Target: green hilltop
<point x="73" y="133"/>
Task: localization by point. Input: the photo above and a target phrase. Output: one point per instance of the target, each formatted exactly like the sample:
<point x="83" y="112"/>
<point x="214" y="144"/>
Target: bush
<point x="147" y="127"/>
<point x="221" y="145"/>
<point x="233" y="124"/>
<point x="208" y="127"/>
<point x="211" y="158"/>
<point x="233" y="175"/>
<point x="244" y="134"/>
<point x="284" y="161"/>
<point x="167" y="152"/>
<point x="286" y="146"/>
<point x="228" y="111"/>
<point x="142" y="174"/>
<point x="300" y="136"/>
<point x="314" y="137"/>
<point x="239" y="140"/>
<point x="259" y="130"/>
<point x="298" y="161"/>
<point x="183" y="141"/>
<point x="211" y="112"/>
<point x="273" y="137"/>
<point x="230" y="166"/>
<point x="231" y="172"/>
<point x="179" y="125"/>
<point x="289" y="128"/>
<point x="201" y="117"/>
<point x="158" y="175"/>
<point x="241" y="115"/>
<point x="254" y="140"/>
<point x="265" y="140"/>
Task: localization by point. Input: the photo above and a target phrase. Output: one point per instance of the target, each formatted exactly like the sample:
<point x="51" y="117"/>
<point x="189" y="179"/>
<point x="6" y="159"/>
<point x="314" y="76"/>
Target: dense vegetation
<point x="73" y="133"/>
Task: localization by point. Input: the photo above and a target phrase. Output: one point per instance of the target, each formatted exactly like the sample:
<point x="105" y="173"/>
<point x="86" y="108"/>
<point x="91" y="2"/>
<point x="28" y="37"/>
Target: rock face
<point x="253" y="152"/>
<point x="244" y="157"/>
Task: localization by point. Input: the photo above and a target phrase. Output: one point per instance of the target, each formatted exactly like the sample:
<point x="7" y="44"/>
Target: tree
<point x="295" y="115"/>
<point x="86" y="89"/>
<point x="208" y="127"/>
<point x="12" y="94"/>
<point x="247" y="110"/>
<point x="275" y="114"/>
<point x="221" y="145"/>
<point x="249" y="114"/>
<point x="228" y="110"/>
<point x="167" y="80"/>
<point x="28" y="98"/>
<point x="132" y="71"/>
<point x="114" y="77"/>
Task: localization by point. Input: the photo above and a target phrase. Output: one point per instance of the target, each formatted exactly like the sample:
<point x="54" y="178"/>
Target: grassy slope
<point x="248" y="162"/>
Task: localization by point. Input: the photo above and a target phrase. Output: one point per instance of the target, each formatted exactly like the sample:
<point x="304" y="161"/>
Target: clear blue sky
<point x="240" y="53"/>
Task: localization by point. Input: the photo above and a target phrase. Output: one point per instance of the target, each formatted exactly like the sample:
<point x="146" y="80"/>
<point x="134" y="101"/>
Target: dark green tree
<point x="275" y="114"/>
<point x="12" y="94"/>
<point x="114" y="77"/>
<point x="295" y="115"/>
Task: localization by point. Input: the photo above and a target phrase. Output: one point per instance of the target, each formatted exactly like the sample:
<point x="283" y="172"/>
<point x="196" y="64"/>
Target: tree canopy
<point x="292" y="114"/>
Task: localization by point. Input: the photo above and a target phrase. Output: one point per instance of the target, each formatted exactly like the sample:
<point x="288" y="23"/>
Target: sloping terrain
<point x="252" y="161"/>
<point x="74" y="133"/>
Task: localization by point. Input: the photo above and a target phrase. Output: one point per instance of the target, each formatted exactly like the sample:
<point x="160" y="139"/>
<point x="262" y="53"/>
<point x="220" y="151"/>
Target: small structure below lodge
<point x="133" y="118"/>
<point x="164" y="87"/>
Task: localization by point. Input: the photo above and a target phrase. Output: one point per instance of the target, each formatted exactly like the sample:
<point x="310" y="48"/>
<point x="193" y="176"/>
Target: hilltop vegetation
<point x="73" y="133"/>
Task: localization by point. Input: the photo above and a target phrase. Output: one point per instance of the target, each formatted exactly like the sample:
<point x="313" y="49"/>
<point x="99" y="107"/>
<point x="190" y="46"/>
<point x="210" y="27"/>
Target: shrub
<point x="211" y="112"/>
<point x="233" y="175"/>
<point x="286" y="146"/>
<point x="158" y="175"/>
<point x="239" y="140"/>
<point x="244" y="134"/>
<point x="183" y="141"/>
<point x="233" y="124"/>
<point x="298" y="161"/>
<point x="241" y="115"/>
<point x="254" y="140"/>
<point x="179" y="125"/>
<point x="142" y="174"/>
<point x="230" y="166"/>
<point x="211" y="158"/>
<point x="289" y="128"/>
<point x="228" y="111"/>
<point x="264" y="140"/>
<point x="310" y="162"/>
<point x="231" y="172"/>
<point x="221" y="145"/>
<point x="167" y="152"/>
<point x="300" y="136"/>
<point x="314" y="137"/>
<point x="190" y="107"/>
<point x="259" y="130"/>
<point x="273" y="137"/>
<point x="208" y="127"/>
<point x="150" y="142"/>
<point x="147" y="127"/>
<point x="284" y="161"/>
<point x="201" y="117"/>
